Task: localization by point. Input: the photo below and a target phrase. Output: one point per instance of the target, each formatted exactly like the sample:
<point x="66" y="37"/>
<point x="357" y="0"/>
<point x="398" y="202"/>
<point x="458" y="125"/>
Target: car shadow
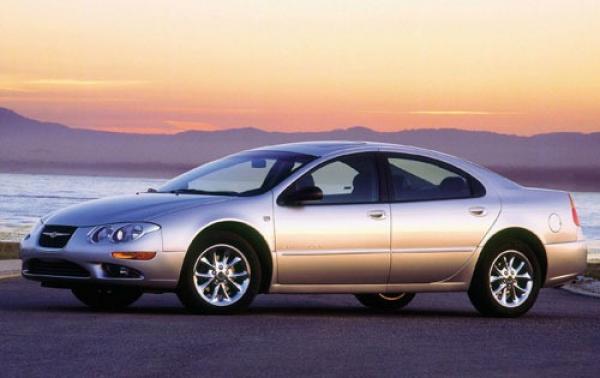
<point x="357" y="312"/>
<point x="260" y="310"/>
<point x="296" y="306"/>
<point x="296" y="312"/>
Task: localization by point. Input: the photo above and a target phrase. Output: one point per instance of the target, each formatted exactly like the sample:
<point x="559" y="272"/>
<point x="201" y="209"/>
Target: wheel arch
<point x="523" y="235"/>
<point x="252" y="236"/>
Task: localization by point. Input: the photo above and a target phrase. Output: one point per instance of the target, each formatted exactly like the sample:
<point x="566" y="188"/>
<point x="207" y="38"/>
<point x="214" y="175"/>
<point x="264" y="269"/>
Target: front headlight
<point x="120" y="232"/>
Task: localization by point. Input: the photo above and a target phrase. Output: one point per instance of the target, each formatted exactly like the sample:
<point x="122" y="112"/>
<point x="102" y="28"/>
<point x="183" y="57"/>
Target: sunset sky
<point x="520" y="67"/>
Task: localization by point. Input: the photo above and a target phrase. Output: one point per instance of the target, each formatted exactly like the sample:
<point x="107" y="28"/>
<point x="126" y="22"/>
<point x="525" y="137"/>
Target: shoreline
<point x="572" y="179"/>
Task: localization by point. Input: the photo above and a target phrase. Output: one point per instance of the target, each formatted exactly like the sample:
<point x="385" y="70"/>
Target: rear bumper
<point x="565" y="261"/>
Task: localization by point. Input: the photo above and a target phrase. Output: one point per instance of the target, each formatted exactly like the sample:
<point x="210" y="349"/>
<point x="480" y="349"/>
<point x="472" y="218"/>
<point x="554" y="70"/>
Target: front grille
<point x="56" y="236"/>
<point x="54" y="267"/>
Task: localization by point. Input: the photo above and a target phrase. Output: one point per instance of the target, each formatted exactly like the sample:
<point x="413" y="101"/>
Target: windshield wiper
<point x="207" y="192"/>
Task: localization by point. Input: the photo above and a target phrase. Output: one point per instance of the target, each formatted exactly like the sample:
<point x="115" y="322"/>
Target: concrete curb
<point x="589" y="283"/>
<point x="9" y="250"/>
<point x="593" y="269"/>
<point x="7" y="275"/>
<point x="10" y="268"/>
<point x="576" y="290"/>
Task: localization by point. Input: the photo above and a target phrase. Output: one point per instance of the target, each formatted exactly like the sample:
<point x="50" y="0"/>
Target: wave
<point x="45" y="197"/>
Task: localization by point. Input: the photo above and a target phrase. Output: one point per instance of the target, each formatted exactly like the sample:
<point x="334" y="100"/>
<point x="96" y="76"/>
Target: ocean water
<point x="24" y="198"/>
<point x="588" y="209"/>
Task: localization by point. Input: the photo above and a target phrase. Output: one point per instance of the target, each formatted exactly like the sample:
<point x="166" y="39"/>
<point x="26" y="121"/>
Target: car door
<point x="439" y="216"/>
<point x="344" y="238"/>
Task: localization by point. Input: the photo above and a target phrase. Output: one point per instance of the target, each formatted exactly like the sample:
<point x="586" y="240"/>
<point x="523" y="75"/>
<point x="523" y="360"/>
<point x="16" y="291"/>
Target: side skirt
<point x="377" y="288"/>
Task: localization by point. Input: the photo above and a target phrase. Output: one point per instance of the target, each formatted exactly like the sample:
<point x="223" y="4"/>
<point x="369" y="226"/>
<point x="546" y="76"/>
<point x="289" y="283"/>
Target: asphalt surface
<point x="46" y="332"/>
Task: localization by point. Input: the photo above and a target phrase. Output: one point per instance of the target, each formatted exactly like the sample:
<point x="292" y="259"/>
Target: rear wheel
<point x="221" y="274"/>
<point x="507" y="280"/>
<point x="386" y="302"/>
<point x="107" y="298"/>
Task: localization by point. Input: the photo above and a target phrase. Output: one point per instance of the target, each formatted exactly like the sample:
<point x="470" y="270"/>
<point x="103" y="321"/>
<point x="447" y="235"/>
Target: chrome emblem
<point x="54" y="234"/>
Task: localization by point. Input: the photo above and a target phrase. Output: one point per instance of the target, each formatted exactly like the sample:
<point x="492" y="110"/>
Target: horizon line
<point x="348" y="128"/>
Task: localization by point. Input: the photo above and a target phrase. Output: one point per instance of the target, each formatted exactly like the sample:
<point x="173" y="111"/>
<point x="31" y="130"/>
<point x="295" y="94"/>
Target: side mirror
<point x="306" y="194"/>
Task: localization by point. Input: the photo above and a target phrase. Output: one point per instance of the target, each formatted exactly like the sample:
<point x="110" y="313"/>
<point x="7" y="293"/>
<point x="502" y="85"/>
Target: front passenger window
<point x="348" y="179"/>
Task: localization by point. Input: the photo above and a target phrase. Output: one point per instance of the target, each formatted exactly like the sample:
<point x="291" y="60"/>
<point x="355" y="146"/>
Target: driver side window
<point x="348" y="179"/>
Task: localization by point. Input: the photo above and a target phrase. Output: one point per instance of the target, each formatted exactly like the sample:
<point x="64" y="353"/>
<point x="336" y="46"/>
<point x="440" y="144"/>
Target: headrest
<point x="454" y="185"/>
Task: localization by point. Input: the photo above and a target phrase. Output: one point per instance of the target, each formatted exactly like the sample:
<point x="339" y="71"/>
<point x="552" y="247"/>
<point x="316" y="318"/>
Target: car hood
<point x="132" y="208"/>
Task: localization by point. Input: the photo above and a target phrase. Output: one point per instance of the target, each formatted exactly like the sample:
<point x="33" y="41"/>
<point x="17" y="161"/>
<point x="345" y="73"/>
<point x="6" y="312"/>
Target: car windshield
<point x="245" y="174"/>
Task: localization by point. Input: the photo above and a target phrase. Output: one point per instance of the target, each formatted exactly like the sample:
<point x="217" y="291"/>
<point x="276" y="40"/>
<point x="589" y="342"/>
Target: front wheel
<point x="385" y="302"/>
<point x="507" y="280"/>
<point x="221" y="274"/>
<point x="107" y="298"/>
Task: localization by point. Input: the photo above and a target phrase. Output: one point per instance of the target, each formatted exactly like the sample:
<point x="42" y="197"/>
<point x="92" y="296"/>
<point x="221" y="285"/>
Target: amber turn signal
<point x="134" y="255"/>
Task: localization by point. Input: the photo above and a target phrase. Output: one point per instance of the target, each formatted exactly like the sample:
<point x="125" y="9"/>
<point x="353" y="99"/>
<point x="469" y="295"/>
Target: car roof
<point x="316" y="148"/>
<point x="332" y="147"/>
<point x="327" y="147"/>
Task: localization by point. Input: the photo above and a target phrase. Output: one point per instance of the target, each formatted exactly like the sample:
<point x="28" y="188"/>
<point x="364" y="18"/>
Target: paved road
<point x="45" y="332"/>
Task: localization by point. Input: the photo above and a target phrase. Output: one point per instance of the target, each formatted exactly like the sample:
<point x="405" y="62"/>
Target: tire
<point x="107" y="298"/>
<point x="223" y="286"/>
<point x="385" y="302"/>
<point x="517" y="288"/>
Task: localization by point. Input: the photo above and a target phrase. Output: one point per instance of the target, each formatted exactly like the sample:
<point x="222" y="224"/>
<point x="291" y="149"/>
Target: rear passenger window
<point x="418" y="180"/>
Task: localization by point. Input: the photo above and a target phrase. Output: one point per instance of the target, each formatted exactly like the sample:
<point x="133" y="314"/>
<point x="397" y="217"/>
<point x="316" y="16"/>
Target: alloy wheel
<point x="221" y="275"/>
<point x="511" y="278"/>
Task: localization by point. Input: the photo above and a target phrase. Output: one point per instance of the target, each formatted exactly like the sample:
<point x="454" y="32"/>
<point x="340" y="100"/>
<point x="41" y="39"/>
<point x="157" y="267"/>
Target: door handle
<point x="478" y="211"/>
<point x="377" y="214"/>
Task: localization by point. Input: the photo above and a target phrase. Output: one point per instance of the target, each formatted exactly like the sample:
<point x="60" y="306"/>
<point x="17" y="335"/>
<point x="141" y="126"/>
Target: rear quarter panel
<point x="531" y="209"/>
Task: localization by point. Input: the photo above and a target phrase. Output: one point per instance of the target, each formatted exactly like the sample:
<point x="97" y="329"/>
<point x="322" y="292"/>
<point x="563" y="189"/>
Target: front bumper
<point x="565" y="261"/>
<point x="161" y="272"/>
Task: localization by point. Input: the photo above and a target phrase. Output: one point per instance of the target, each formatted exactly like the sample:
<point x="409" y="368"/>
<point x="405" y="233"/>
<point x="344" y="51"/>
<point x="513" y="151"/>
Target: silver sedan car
<point x="379" y="221"/>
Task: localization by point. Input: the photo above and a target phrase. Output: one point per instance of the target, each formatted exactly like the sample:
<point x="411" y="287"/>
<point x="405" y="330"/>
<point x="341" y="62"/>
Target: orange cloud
<point x="304" y="65"/>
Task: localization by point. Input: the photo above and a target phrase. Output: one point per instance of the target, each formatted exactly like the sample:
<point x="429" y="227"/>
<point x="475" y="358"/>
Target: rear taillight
<point x="574" y="211"/>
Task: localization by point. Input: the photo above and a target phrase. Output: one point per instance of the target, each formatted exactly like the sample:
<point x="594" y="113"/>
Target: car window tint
<point x="350" y="179"/>
<point x="414" y="180"/>
<point x="241" y="177"/>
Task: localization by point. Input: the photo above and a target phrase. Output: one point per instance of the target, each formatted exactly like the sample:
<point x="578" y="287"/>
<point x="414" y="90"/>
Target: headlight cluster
<point x="120" y="232"/>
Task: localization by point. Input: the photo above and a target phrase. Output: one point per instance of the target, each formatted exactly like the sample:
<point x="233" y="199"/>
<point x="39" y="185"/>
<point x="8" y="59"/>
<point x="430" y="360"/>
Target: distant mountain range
<point x="569" y="160"/>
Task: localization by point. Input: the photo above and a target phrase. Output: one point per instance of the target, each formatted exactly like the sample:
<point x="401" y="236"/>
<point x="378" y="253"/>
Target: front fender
<point x="181" y="228"/>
